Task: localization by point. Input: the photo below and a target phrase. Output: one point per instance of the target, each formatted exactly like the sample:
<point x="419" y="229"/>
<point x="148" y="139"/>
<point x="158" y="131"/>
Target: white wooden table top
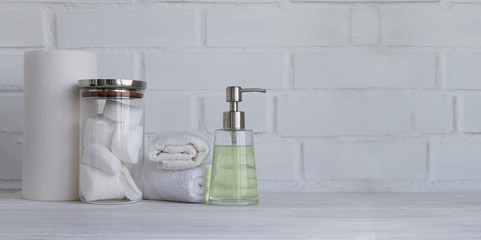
<point x="451" y="216"/>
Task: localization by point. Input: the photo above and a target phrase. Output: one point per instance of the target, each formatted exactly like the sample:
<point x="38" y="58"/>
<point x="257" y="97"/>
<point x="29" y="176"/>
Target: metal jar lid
<point x="113" y="83"/>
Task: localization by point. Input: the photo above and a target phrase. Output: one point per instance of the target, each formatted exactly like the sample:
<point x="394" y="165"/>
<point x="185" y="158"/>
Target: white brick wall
<point x="11" y="127"/>
<point x="276" y="28"/>
<point x="463" y="71"/>
<point x="361" y="114"/>
<point x="457" y="160"/>
<point x="286" y="155"/>
<point x="364" y="95"/>
<point x="204" y="71"/>
<point x="164" y="113"/>
<point x="116" y="66"/>
<point x="21" y="28"/>
<point x="367" y="70"/>
<point x="11" y="119"/>
<point x="11" y="149"/>
<point x="364" y="26"/>
<point x="125" y="29"/>
<point x="11" y="71"/>
<point x="470" y="114"/>
<point x="373" y="161"/>
<point x="436" y="27"/>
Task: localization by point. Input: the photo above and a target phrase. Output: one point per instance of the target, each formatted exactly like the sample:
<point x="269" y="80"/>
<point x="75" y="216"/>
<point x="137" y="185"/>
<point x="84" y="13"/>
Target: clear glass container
<point x="233" y="179"/>
<point x="111" y="140"/>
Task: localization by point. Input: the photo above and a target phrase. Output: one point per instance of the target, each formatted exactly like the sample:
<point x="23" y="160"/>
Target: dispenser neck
<point x="234" y="119"/>
<point x="234" y="106"/>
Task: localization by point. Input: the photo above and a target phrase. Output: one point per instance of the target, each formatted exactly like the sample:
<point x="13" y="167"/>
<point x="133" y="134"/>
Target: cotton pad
<point x="128" y="114"/>
<point x="99" y="156"/>
<point x="128" y="185"/>
<point x="98" y="185"/>
<point x="127" y="143"/>
<point x="98" y="130"/>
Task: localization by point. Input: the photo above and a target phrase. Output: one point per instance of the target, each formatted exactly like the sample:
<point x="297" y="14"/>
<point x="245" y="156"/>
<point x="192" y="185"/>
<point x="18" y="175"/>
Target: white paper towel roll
<point x="51" y="131"/>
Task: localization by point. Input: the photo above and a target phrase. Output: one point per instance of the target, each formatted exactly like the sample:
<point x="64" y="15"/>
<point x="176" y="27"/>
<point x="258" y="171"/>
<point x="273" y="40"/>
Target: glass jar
<point x="111" y="140"/>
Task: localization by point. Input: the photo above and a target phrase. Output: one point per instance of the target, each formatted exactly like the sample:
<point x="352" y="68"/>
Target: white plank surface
<point x="278" y="216"/>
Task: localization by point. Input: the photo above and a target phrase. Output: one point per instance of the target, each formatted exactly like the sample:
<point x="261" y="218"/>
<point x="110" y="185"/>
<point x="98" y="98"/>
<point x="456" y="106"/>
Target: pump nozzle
<point x="234" y="119"/>
<point x="262" y="90"/>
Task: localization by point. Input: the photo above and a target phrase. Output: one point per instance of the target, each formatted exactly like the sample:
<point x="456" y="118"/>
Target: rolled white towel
<point x="180" y="186"/>
<point x="97" y="155"/>
<point x="178" y="151"/>
<point x="127" y="143"/>
<point x="117" y="111"/>
<point x="98" y="185"/>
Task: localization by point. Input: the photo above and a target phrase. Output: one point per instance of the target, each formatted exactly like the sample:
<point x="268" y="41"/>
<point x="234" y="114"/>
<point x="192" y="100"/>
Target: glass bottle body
<point x="111" y="145"/>
<point x="234" y="179"/>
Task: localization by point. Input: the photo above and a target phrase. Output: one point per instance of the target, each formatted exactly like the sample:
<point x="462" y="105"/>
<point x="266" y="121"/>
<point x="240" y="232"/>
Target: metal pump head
<point x="234" y="119"/>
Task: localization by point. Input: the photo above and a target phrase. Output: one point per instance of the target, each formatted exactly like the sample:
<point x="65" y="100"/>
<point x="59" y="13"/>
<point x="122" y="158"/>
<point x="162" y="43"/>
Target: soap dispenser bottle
<point x="233" y="179"/>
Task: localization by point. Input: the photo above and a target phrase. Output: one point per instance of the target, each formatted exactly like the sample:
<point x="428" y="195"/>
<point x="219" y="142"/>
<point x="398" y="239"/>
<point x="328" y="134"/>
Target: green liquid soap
<point x="233" y="179"/>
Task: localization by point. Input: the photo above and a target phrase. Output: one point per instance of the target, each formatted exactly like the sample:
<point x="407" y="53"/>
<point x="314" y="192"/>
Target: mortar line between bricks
<point x="264" y="49"/>
<point x="455" y="115"/>
<point x="441" y="74"/>
<point x="268" y="115"/>
<point x="275" y="117"/>
<point x="11" y="93"/>
<point x="204" y="28"/>
<point x="11" y="88"/>
<point x="48" y="19"/>
<point x="301" y="164"/>
<point x="470" y="137"/>
<point x="284" y="4"/>
<point x="379" y="27"/>
<point x="137" y="5"/>
<point x="269" y="6"/>
<point x="198" y="28"/>
<point x="201" y="113"/>
<point x="138" y="66"/>
<point x="429" y="171"/>
<point x="288" y="58"/>
<point x="229" y="5"/>
<point x="438" y="74"/>
<point x="196" y="109"/>
<point x="315" y="92"/>
<point x="141" y="68"/>
<point x="349" y="27"/>
<point x="370" y="137"/>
